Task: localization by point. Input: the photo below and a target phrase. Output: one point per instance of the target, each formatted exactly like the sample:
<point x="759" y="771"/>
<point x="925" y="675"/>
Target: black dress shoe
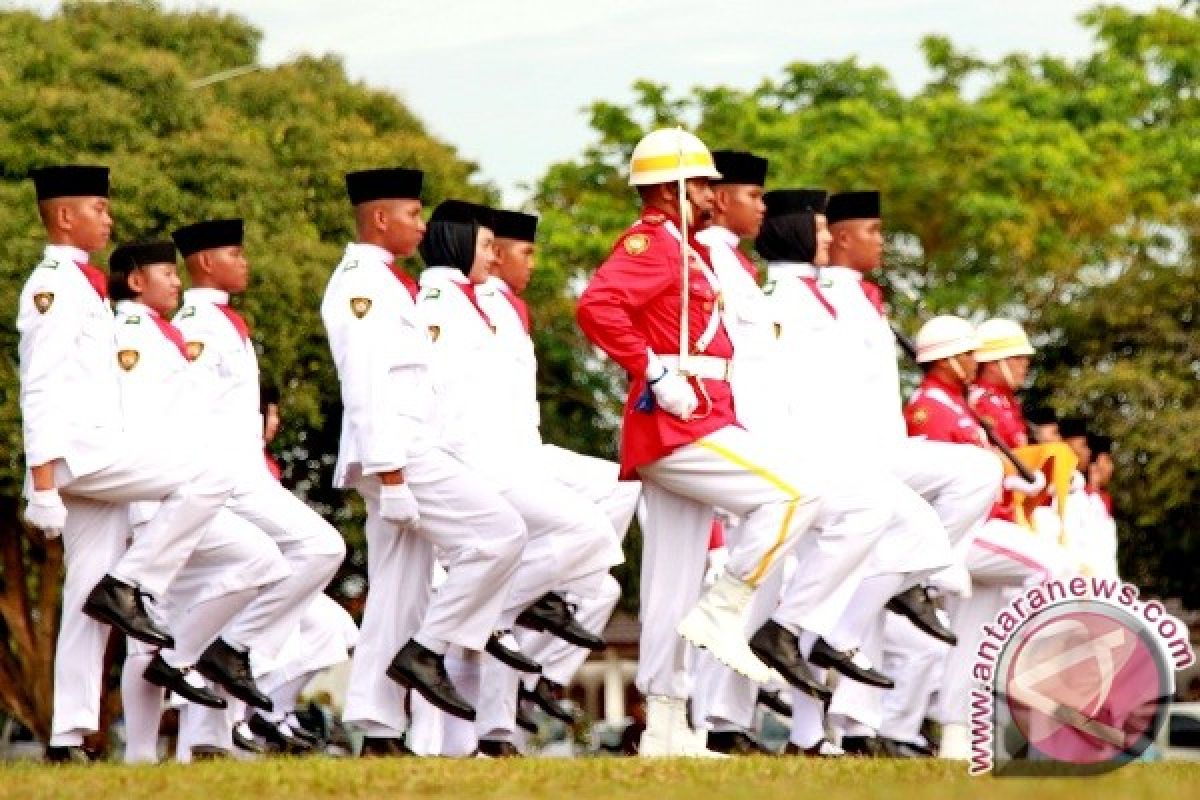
<point x="243" y="739"/>
<point x="774" y="701"/>
<point x="160" y="673"/>
<point x="208" y="752"/>
<point x="381" y="747"/>
<point x="494" y="748"/>
<point x="302" y="733"/>
<point x="917" y="604"/>
<point x="862" y="746"/>
<point x="525" y="720"/>
<point x="552" y="613"/>
<point x="513" y="658"/>
<point x="546" y="695"/>
<point x="278" y="737"/>
<point x="230" y="668"/>
<point x="120" y="605"/>
<point x="822" y="749"/>
<point x="894" y="748"/>
<point x="420" y="669"/>
<point x="67" y="754"/>
<point x="823" y="655"/>
<point x="737" y="743"/>
<point x="777" y="647"/>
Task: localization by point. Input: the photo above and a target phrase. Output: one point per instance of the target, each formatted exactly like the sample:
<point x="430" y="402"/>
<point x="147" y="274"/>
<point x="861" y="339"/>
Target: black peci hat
<point x="76" y="180"/>
<point x="389" y="182"/>
<point x="781" y="202"/>
<point x="737" y="166"/>
<point x="514" y="225"/>
<point x="208" y="235"/>
<point x="853" y="205"/>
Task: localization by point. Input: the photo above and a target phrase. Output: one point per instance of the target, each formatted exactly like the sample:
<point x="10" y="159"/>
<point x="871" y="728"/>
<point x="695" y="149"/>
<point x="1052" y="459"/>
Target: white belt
<point x="709" y="367"/>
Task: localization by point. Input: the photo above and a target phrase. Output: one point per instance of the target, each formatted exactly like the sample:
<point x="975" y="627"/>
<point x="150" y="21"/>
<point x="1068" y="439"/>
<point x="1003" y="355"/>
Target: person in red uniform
<point x="680" y="435"/>
<point x="1001" y="555"/>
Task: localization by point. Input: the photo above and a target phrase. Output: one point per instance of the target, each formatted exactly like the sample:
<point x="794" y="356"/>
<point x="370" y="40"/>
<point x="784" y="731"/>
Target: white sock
<point x="141" y="703"/>
<point x="284" y="697"/>
<point x="808" y="719"/>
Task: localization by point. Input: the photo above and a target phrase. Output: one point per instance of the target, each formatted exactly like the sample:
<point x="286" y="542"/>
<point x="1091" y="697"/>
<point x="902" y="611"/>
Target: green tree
<point x="112" y="83"/>
<point x="1063" y="193"/>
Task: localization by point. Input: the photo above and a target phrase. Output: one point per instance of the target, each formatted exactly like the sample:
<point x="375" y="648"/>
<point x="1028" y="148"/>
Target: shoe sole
<point x="101" y="615"/>
<point x="529" y="669"/>
<point x="946" y="637"/>
<point x="840" y="669"/>
<point x="402" y="679"/>
<point x="216" y="702"/>
<point x="697" y="636"/>
<point x="220" y="678"/>
<point x="823" y="695"/>
<point x="555" y="714"/>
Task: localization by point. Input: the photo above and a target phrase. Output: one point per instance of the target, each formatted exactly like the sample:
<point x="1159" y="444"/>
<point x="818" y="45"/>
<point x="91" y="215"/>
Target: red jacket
<point x="938" y="411"/>
<point x="998" y="406"/>
<point x="633" y="304"/>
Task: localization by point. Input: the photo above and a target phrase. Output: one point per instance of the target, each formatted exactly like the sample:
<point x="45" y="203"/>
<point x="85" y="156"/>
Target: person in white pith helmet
<point x="681" y="436"/>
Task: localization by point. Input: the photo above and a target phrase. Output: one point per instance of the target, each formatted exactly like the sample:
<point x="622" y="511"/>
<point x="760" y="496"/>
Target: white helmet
<point x="943" y="337"/>
<point x="1002" y="338"/>
<point x="669" y="154"/>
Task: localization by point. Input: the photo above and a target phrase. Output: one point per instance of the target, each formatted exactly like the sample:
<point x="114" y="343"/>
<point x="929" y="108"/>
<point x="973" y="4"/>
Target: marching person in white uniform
<point x="163" y="397"/>
<point x="593" y="479"/>
<point x="422" y="503"/>
<point x="83" y="469"/>
<point x="218" y="341"/>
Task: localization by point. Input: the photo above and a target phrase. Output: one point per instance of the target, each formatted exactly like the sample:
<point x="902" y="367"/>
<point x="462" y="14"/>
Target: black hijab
<point x="449" y="244"/>
<point x="791" y="237"/>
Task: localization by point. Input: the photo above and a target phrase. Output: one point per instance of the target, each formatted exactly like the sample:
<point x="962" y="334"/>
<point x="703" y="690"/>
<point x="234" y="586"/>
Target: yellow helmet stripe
<point x="1005" y="343"/>
<point x="672" y="161"/>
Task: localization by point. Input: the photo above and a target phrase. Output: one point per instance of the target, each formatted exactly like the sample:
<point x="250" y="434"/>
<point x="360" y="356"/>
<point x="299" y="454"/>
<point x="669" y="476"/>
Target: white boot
<point x="660" y="726"/>
<point x="717" y="624"/>
<point x="668" y="733"/>
<point x="956" y="744"/>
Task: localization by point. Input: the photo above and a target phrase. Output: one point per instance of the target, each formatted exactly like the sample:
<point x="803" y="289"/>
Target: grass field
<point x="577" y="779"/>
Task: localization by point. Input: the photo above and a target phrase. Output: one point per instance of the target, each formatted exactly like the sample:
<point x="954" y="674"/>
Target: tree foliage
<point x="111" y="83"/>
<point x="1061" y="192"/>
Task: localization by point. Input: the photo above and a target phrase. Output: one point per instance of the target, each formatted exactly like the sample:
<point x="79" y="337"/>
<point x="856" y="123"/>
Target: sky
<point x="507" y="81"/>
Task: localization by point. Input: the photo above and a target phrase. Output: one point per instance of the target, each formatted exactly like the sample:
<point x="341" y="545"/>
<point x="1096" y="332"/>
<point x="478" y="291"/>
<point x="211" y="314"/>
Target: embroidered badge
<point x="636" y="244"/>
<point x="359" y="306"/>
<point x="434" y="332"/>
<point x="134" y="320"/>
<point x="188" y="311"/>
<point x="769" y="287"/>
<point x="432" y="294"/>
<point x="778" y="330"/>
<point x="128" y="359"/>
<point x="194" y="349"/>
<point x="42" y="301"/>
<point x="920" y="416"/>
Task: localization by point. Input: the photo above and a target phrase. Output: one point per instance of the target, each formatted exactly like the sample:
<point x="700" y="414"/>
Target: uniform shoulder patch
<point x="42" y="301"/>
<point x="128" y="359"/>
<point x="359" y="306"/>
<point x="349" y="265"/>
<point x="194" y="350"/>
<point x="636" y="243"/>
<point x="187" y="311"/>
<point x="920" y="416"/>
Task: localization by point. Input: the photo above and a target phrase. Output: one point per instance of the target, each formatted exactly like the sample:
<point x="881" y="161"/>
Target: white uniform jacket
<point x="520" y="368"/>
<point x="70" y="398"/>
<point x="227" y="360"/>
<point x="382" y="351"/>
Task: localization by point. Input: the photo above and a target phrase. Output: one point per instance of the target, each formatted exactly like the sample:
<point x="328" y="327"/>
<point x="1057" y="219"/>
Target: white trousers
<point x="1002" y="557"/>
<point x="916" y="662"/>
<point x="777" y="500"/>
<point x="479" y="536"/>
<point x="94" y="543"/>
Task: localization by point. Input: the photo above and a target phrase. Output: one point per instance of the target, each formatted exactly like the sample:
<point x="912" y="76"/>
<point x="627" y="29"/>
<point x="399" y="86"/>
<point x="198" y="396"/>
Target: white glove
<point x="675" y="395"/>
<point x="717" y="559"/>
<point x="1015" y="483"/>
<point x="398" y="505"/>
<point x="46" y="512"/>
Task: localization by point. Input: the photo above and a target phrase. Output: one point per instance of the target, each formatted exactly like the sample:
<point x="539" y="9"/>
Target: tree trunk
<point x="30" y="595"/>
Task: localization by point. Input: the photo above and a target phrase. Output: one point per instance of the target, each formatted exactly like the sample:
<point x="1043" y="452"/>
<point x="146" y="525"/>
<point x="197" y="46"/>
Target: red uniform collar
<point x="956" y="391"/>
<point x="1001" y="389"/>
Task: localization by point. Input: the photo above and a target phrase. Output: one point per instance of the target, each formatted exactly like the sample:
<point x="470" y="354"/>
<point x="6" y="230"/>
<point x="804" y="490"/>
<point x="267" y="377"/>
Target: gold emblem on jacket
<point x="359" y="306"/>
<point x="128" y="359"/>
<point x="42" y="301"/>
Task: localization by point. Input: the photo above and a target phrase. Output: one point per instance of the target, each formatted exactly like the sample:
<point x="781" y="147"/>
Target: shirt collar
<point x="215" y="296"/>
<point x="717" y="234"/>
<point x="842" y="272"/>
<point x="431" y="276"/>
<point x="495" y="283"/>
<point x="792" y="268"/>
<point x="134" y="307"/>
<point x="996" y="388"/>
<point x="957" y="392"/>
<point x="371" y="252"/>
<point x="69" y="252"/>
